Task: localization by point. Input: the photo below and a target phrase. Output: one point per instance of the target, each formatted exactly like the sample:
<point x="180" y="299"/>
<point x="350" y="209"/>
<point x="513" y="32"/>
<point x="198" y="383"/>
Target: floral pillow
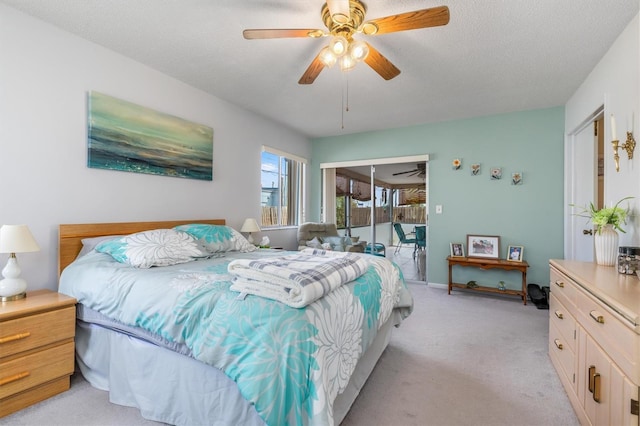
<point x="217" y="238"/>
<point x="158" y="247"/>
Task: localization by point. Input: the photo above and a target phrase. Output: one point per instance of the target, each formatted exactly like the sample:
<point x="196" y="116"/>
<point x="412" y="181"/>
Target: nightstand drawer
<point x="33" y="331"/>
<point x="31" y="370"/>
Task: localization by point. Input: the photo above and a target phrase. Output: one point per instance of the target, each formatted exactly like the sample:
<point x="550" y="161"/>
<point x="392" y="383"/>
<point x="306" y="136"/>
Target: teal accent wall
<point x="529" y="215"/>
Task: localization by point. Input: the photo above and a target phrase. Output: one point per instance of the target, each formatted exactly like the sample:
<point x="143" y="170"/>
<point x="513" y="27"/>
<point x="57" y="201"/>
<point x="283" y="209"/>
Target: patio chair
<point x="404" y="239"/>
<point x="421" y="239"/>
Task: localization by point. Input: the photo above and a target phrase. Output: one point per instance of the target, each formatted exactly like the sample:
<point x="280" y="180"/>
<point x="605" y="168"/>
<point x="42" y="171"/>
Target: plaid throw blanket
<point x="299" y="279"/>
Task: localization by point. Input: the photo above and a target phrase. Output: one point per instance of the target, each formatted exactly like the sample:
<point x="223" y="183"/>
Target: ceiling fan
<point x="420" y="171"/>
<point x="346" y="18"/>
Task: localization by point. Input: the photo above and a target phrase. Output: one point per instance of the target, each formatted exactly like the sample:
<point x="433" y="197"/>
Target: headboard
<point x="70" y="235"/>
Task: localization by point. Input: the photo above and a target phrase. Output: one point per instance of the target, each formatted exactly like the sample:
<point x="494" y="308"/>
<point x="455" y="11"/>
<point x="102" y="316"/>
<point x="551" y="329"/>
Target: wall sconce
<point x="629" y="145"/>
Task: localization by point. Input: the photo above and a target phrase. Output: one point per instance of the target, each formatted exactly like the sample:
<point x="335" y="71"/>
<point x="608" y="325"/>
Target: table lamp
<point x="250" y="225"/>
<point x="14" y="239"/>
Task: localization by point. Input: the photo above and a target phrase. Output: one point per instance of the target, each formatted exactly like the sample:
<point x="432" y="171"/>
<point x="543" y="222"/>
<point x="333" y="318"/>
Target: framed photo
<point x="514" y="253"/>
<point x="456" y="249"/>
<point x="483" y="246"/>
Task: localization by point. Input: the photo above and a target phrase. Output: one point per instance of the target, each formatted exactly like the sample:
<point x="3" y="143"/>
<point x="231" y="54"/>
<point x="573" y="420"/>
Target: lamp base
<point x="14" y="297"/>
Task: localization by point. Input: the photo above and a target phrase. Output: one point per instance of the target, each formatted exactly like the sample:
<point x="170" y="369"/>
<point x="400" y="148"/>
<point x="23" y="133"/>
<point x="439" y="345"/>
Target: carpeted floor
<point x="460" y="359"/>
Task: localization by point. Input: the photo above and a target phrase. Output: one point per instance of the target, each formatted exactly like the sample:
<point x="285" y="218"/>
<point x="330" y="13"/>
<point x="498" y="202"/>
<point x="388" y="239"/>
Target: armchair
<point x="325" y="235"/>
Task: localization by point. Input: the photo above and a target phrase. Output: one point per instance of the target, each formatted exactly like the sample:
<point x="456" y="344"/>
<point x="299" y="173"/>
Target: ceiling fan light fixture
<point x="359" y="50"/>
<point x="327" y="57"/>
<point x="347" y="63"/>
<point x="338" y="45"/>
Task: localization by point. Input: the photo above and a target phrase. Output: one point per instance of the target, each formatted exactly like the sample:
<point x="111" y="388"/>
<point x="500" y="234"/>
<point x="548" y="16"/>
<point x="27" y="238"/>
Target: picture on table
<point x="514" y="253"/>
<point x="483" y="246"/>
<point x="456" y="249"/>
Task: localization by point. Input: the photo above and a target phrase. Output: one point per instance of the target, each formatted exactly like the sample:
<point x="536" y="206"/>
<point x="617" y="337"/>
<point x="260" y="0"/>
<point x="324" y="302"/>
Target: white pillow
<point x="315" y="243"/>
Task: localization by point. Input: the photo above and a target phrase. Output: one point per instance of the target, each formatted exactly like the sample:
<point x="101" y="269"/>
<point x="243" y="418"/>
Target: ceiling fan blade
<point x="281" y="33"/>
<point x="339" y="10"/>
<point x="380" y="64"/>
<point x="424" y="18"/>
<point x="404" y="173"/>
<point x="312" y="72"/>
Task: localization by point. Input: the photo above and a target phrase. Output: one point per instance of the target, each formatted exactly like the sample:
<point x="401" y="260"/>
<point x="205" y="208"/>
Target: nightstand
<point x="37" y="350"/>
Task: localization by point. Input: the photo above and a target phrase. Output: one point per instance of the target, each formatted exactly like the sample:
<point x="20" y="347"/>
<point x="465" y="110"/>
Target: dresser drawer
<point x="33" y="331"/>
<point x="563" y="321"/>
<point x="39" y="367"/>
<point x="617" y="339"/>
<point x="563" y="288"/>
<point x="562" y="352"/>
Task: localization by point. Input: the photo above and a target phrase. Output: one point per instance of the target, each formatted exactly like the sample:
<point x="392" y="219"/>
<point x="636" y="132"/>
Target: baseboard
<point x="438" y="285"/>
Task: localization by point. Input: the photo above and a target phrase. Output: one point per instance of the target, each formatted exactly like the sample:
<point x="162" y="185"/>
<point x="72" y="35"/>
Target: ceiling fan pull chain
<point x="342" y="107"/>
<point x="347" y="83"/>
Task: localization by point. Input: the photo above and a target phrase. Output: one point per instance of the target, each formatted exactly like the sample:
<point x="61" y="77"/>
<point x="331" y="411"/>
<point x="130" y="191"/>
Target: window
<point x="283" y="183"/>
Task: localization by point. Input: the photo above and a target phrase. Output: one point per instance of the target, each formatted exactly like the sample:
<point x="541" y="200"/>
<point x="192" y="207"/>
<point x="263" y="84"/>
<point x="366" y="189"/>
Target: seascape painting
<point x="128" y="137"/>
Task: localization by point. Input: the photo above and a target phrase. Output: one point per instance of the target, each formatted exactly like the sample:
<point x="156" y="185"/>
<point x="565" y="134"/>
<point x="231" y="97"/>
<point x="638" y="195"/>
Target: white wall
<point x="614" y="83"/>
<point x="45" y="74"/>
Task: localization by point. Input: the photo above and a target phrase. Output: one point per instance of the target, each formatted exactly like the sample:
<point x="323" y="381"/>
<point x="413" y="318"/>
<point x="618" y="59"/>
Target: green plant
<point x="615" y="215"/>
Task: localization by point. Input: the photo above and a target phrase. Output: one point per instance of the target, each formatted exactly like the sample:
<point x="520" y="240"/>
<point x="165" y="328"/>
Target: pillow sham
<point x="217" y="238"/>
<point x="158" y="247"/>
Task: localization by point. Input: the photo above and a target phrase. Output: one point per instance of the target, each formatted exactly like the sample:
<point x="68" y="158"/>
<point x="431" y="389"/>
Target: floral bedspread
<point x="290" y="363"/>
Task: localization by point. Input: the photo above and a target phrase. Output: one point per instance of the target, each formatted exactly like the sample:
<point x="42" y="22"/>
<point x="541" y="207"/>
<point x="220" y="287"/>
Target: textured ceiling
<point x="494" y="56"/>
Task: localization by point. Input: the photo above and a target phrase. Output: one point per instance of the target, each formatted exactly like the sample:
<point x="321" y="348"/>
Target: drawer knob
<point x="559" y="315"/>
<point x="560" y="284"/>
<point x="558" y="344"/>
<point x="13" y="378"/>
<point x="597" y="317"/>
<point x="14" y="337"/>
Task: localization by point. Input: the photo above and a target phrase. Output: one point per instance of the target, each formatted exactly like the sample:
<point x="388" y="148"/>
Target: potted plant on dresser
<point x="607" y="221"/>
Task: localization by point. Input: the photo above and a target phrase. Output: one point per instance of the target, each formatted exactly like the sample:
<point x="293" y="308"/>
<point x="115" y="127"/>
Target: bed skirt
<point x="176" y="389"/>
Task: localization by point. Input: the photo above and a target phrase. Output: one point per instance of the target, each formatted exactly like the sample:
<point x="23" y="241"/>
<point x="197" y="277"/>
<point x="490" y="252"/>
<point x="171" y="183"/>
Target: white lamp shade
<point x="250" y="225"/>
<point x="17" y="239"/>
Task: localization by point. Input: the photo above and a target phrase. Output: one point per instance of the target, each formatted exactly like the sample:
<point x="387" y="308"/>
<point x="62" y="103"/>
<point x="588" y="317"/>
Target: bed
<point x="179" y="344"/>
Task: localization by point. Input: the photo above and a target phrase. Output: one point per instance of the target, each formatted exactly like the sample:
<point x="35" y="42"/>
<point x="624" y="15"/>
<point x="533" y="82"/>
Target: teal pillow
<point x="337" y="243"/>
<point x="217" y="238"/>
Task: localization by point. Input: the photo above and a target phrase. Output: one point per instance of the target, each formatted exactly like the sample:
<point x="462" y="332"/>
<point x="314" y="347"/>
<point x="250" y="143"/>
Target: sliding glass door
<point x="367" y="198"/>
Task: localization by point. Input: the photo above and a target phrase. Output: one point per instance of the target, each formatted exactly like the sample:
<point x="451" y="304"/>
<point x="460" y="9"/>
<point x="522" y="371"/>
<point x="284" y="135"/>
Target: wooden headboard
<point x="70" y="235"/>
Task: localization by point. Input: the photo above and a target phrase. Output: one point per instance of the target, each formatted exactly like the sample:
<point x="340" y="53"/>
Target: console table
<point x="481" y="263"/>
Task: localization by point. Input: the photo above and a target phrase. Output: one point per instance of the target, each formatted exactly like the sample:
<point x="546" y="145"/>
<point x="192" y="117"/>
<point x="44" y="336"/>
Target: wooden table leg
<point x="450" y="279"/>
<point x="524" y="286"/>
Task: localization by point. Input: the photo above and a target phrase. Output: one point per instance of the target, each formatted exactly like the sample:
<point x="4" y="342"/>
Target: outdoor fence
<point x="360" y="216"/>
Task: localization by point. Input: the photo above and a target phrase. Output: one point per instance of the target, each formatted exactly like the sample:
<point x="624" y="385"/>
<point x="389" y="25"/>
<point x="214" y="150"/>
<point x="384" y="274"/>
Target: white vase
<point x="606" y="242"/>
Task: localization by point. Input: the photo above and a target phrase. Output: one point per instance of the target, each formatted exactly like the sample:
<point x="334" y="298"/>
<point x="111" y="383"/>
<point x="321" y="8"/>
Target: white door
<point x="583" y="190"/>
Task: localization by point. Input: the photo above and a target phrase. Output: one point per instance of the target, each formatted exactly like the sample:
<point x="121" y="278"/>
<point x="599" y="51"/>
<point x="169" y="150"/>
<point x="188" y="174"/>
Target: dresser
<point x="594" y="340"/>
<point x="36" y="348"/>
